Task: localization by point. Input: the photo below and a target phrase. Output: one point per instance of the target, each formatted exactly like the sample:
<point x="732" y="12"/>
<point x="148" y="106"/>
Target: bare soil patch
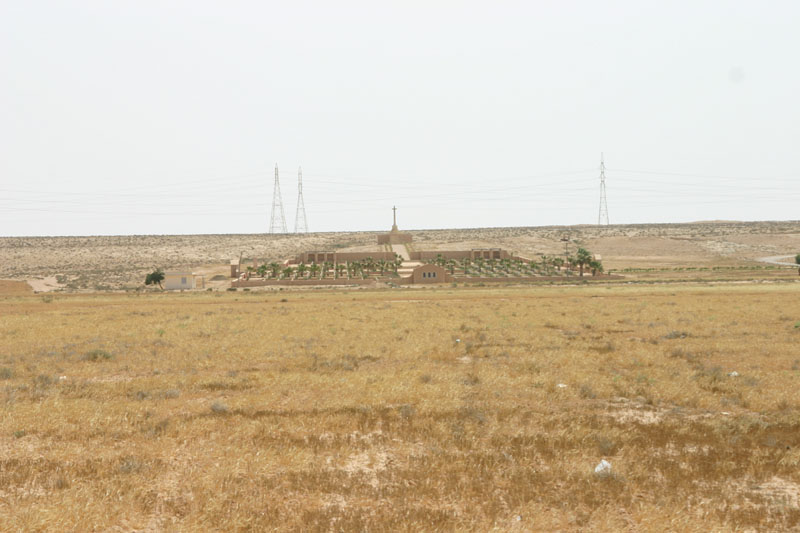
<point x="11" y="287"/>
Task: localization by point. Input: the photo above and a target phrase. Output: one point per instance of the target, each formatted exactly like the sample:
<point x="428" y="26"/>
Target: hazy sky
<point x="169" y="117"/>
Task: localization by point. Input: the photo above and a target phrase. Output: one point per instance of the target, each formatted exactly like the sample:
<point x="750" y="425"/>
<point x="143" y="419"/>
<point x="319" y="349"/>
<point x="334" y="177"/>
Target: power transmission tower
<point x="277" y="225"/>
<point x="602" y="217"/>
<point x="300" y="222"/>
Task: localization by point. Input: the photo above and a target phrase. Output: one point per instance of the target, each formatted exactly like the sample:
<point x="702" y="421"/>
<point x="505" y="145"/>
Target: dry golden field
<point x="85" y="264"/>
<point x="482" y="409"/>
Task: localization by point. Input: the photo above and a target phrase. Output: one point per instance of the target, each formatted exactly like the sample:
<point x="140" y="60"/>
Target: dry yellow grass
<point x="426" y="410"/>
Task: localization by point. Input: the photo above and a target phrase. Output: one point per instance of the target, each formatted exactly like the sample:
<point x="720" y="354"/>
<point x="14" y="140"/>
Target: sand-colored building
<point x="181" y="280"/>
<point x="428" y="273"/>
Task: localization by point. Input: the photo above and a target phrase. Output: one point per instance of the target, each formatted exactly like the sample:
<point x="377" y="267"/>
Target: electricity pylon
<point x="277" y="223"/>
<point x="300" y="222"/>
<point x="602" y="217"/>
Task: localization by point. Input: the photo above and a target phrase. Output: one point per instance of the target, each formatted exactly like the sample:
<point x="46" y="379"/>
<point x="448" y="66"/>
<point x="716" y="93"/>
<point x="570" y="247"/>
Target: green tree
<point x="569" y="263"/>
<point x="262" y="271"/>
<point x="582" y="258"/>
<point x="275" y="269"/>
<point x="301" y="270"/>
<point x="595" y="266"/>
<point x="155" y="278"/>
<point x="314" y="269"/>
<point x="797" y="260"/>
<point x="287" y="272"/>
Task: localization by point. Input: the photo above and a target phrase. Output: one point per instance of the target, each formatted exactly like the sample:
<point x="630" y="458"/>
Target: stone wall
<point x="340" y="257"/>
<point x="301" y="282"/>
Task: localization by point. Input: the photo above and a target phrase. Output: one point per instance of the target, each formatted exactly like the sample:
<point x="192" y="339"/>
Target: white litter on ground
<point x="603" y="467"/>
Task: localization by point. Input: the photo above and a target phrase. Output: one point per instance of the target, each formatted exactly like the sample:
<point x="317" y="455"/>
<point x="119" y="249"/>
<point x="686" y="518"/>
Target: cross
<point x="394" y="215"/>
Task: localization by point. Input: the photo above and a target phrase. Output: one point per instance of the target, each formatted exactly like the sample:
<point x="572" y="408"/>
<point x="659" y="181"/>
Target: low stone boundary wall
<point x="299" y="282"/>
<point x="509" y="279"/>
<point x="407" y="281"/>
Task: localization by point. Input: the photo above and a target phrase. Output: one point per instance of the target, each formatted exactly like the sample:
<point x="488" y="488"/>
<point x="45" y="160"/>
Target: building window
<point x="433" y="274"/>
<point x="183" y="281"/>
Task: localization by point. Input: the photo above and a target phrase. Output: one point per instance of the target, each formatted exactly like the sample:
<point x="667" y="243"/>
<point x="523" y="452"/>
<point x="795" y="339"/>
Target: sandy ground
<point x="47" y="284"/>
<point x="121" y="262"/>
<point x="785" y="260"/>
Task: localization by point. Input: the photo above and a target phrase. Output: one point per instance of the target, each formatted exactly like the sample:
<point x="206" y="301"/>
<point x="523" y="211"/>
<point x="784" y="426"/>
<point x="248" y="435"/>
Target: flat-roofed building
<point x="182" y="280"/>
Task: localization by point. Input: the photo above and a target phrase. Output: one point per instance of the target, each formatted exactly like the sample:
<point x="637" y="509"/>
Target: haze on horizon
<point x="168" y="118"/>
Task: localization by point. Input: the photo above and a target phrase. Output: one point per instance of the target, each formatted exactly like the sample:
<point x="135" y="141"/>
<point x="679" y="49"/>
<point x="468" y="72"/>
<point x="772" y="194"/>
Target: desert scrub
<point x="97" y="355"/>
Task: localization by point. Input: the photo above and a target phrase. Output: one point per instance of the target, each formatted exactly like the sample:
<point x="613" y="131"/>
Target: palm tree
<point x="262" y="271"/>
<point x="340" y="268"/>
<point x="465" y="265"/>
<point x="558" y="263"/>
<point x="797" y="260"/>
<point x="314" y="269"/>
<point x="357" y="267"/>
<point x="570" y="263"/>
<point x="451" y="264"/>
<point x="369" y="264"/>
<point x="582" y="258"/>
<point x="595" y="266"/>
<point x="492" y="264"/>
<point x="287" y="272"/>
<point x="301" y="270"/>
<point x="275" y="269"/>
<point x="382" y="266"/>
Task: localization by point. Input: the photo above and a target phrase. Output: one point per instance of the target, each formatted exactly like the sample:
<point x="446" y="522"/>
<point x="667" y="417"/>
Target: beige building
<point x="179" y="280"/>
<point x="429" y="273"/>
